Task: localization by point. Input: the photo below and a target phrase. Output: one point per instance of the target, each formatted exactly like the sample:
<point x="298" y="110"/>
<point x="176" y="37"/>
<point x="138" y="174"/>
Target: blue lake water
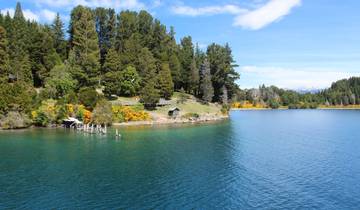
<point x="301" y="159"/>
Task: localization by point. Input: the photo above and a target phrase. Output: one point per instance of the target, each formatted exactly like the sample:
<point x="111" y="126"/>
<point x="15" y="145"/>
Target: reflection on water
<point x="256" y="160"/>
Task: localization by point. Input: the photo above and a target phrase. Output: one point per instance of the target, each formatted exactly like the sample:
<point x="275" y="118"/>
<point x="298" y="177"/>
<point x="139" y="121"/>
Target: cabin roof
<point x="174" y="109"/>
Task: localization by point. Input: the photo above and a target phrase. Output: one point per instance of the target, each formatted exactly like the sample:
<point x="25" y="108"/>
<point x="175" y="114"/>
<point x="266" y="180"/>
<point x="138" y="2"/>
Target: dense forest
<point x="341" y="93"/>
<point x="126" y="54"/>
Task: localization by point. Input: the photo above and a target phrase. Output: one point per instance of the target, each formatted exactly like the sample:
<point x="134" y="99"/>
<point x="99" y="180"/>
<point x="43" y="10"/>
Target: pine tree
<point x="4" y="56"/>
<point x="84" y="43"/>
<point x="194" y="79"/>
<point x="175" y="68"/>
<point x="166" y="85"/>
<point x="57" y="29"/>
<point x="186" y="57"/>
<point x="206" y="87"/>
<point x="149" y="95"/>
<point x="19" y="39"/>
<point x="43" y="56"/>
<point x="18" y="15"/>
<point x="222" y="69"/>
<point x="145" y="23"/>
<point x="105" y="20"/>
<point x="126" y="27"/>
<point x="147" y="65"/>
<point x="131" y="50"/>
<point x="112" y="61"/>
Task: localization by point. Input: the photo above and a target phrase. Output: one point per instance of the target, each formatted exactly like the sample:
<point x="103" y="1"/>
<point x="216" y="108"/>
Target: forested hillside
<point x="125" y="54"/>
<point x="341" y="93"/>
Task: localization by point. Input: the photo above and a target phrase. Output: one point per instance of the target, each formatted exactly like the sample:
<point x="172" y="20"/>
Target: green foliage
<point x="105" y="21"/>
<point x="130" y="82"/>
<point x="186" y="58"/>
<point x="166" y="85"/>
<point x="112" y="62"/>
<point x="274" y="104"/>
<point x="175" y="68"/>
<point x="222" y="69"/>
<point x="60" y="82"/>
<point x="122" y="83"/>
<point x="4" y="56"/>
<point x="342" y="92"/>
<point x="19" y="40"/>
<point x="59" y="37"/>
<point x="84" y="43"/>
<point x="102" y="113"/>
<point x="183" y="97"/>
<point x="147" y="64"/>
<point x="225" y="108"/>
<point x="46" y="114"/>
<point x="191" y="116"/>
<point x="206" y="87"/>
<point x="149" y="95"/>
<point x="194" y="78"/>
<point x="14" y="120"/>
<point x="88" y="97"/>
<point x="16" y="97"/>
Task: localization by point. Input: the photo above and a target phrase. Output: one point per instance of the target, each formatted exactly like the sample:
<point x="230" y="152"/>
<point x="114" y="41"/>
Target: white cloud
<point x="44" y="15"/>
<point x="47" y="15"/>
<point x="265" y="14"/>
<point x="117" y="4"/>
<point x="273" y="11"/>
<point x="209" y="10"/>
<point x="28" y="14"/>
<point x="292" y="78"/>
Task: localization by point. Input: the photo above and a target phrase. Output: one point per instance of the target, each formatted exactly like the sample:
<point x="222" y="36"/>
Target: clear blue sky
<point x="294" y="44"/>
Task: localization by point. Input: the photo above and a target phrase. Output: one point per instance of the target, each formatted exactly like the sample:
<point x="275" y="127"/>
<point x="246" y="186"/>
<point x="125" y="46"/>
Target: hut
<point x="174" y="112"/>
<point x="12" y="78"/>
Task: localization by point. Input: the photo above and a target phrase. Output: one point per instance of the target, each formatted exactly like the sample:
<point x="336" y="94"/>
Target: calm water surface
<point x="256" y="160"/>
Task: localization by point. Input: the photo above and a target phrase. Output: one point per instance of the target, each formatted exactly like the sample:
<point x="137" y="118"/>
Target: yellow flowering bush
<point x="127" y="113"/>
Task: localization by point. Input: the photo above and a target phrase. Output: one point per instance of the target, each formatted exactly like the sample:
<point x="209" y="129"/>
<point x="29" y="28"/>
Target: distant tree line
<point x="341" y="93"/>
<point x="126" y="54"/>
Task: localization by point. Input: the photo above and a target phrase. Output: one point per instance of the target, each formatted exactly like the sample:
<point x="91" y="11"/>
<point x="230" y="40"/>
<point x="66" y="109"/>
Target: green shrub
<point x="88" y="97"/>
<point x="225" y="109"/>
<point x="102" y="113"/>
<point x="274" y="104"/>
<point x="15" y="120"/>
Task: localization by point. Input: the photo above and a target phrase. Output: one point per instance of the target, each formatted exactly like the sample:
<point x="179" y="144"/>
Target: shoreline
<point x="163" y="121"/>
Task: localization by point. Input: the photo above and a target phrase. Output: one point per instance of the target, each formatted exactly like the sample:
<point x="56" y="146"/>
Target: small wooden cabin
<point x="174" y="112"/>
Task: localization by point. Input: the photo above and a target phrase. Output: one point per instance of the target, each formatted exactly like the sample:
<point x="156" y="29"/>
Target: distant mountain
<point x="304" y="91"/>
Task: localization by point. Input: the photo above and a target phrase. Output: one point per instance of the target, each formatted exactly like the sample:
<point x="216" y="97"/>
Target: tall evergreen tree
<point x="145" y="24"/>
<point x="18" y="15"/>
<point x="186" y="57"/>
<point x="175" y="68"/>
<point x="166" y="85"/>
<point x="43" y="56"/>
<point x="126" y="27"/>
<point x="222" y="69"/>
<point x="18" y="42"/>
<point x="105" y="20"/>
<point x="147" y="65"/>
<point x="4" y="56"/>
<point x="84" y="43"/>
<point x="57" y="29"/>
<point x="112" y="62"/>
<point x="194" y="78"/>
<point x="206" y="87"/>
